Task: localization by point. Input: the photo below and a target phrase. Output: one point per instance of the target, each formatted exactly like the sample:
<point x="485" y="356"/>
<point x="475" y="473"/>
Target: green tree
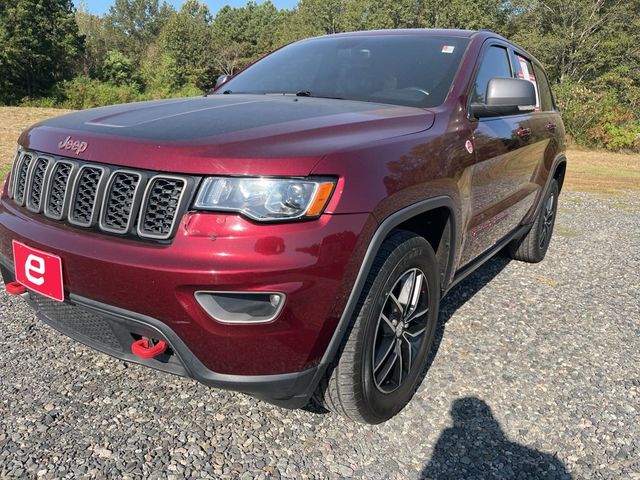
<point x="377" y="14"/>
<point x="92" y="27"/>
<point x="580" y="39"/>
<point x="591" y="50"/>
<point x="133" y="25"/>
<point x="314" y="17"/>
<point x="465" y="14"/>
<point x="119" y="70"/>
<point x="243" y="34"/>
<point x="40" y="45"/>
<point x="186" y="47"/>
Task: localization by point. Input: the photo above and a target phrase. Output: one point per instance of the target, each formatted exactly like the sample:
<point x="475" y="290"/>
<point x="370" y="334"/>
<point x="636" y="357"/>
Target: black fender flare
<point x="391" y="222"/>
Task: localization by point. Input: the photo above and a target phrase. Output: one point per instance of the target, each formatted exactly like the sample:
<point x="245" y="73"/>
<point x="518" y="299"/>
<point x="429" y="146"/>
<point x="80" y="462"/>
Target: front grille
<point x="34" y="199"/>
<point x="57" y="190"/>
<point x="85" y="192"/>
<point x="21" y="177"/>
<point x="161" y="204"/>
<point x="119" y="201"/>
<point x="125" y="202"/>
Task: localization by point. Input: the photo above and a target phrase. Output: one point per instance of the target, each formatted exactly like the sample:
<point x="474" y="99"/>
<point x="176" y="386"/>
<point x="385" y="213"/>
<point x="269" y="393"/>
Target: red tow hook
<point x="144" y="349"/>
<point x="15" y="288"/>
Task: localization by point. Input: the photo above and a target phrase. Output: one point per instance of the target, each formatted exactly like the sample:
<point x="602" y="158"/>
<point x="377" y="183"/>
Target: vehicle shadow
<point x="476" y="447"/>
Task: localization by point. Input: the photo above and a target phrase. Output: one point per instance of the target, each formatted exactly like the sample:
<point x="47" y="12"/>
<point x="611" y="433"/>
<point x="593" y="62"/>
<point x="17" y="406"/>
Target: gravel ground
<point x="535" y="376"/>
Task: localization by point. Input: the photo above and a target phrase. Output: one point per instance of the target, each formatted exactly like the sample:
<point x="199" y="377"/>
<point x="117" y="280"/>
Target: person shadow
<point x="475" y="447"/>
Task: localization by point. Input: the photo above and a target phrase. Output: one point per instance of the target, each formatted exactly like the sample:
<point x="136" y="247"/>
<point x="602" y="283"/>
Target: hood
<point x="224" y="134"/>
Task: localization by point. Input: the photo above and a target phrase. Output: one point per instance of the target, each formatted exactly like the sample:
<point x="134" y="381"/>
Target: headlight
<point x="265" y="199"/>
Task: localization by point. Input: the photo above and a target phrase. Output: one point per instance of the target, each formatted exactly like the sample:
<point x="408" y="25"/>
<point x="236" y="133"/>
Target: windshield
<point x="412" y="70"/>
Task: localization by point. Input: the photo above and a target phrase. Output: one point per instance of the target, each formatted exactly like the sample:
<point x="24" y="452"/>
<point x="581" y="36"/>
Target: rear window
<point x="526" y="72"/>
<point x="546" y="97"/>
<point x="411" y="70"/>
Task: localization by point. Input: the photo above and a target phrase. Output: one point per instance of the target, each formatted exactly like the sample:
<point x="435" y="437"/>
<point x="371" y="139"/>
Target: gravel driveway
<point x="536" y="375"/>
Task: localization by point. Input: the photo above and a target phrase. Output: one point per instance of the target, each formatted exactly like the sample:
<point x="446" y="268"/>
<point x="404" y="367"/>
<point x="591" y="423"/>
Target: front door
<point x="501" y="191"/>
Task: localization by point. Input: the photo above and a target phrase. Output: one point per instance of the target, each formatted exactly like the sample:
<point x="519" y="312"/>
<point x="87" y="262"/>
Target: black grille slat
<point x="161" y="206"/>
<point x="119" y="201"/>
<point x="58" y="189"/>
<point x="86" y="191"/>
<point x="21" y="178"/>
<point x="37" y="183"/>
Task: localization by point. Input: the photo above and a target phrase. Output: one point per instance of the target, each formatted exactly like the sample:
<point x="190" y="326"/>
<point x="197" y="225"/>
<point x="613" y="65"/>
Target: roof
<point x="410" y="31"/>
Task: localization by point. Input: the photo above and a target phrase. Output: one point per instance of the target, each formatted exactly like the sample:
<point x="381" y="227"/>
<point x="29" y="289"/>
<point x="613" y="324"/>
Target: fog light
<point x="275" y="299"/>
<point x="241" y="307"/>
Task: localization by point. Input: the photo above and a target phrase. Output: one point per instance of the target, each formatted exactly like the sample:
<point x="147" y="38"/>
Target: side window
<point x="545" y="90"/>
<point x="526" y="72"/>
<point x="495" y="63"/>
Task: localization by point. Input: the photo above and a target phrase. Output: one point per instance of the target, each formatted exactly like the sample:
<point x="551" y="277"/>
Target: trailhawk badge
<point x="75" y="146"/>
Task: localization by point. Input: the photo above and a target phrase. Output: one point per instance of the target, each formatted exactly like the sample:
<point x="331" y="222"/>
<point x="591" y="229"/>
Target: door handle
<point x="550" y="126"/>
<point x="523" y="132"/>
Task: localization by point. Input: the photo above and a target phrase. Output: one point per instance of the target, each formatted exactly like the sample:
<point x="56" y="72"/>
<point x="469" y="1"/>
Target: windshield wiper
<point x="307" y="93"/>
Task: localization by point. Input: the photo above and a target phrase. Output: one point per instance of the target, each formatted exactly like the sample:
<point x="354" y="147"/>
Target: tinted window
<point x="413" y="70"/>
<point x="545" y="90"/>
<point x="526" y="72"/>
<point x="495" y="63"/>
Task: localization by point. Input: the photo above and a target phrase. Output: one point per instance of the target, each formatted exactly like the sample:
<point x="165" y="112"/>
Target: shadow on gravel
<point x="476" y="447"/>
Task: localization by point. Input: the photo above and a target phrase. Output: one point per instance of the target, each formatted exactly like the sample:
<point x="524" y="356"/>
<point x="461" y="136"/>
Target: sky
<point x="102" y="6"/>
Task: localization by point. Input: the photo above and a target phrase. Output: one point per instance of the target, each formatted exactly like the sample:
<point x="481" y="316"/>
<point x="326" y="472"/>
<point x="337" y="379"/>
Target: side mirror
<point x="506" y="96"/>
<point x="221" y="79"/>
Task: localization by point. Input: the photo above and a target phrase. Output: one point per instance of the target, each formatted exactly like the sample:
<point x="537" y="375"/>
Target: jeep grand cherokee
<point x="291" y="234"/>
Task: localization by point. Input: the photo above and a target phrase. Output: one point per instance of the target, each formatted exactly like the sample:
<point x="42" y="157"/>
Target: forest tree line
<point x="54" y="54"/>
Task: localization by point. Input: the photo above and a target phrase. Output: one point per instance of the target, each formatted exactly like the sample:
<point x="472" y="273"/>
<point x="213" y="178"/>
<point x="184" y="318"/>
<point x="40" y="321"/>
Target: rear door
<point x="501" y="190"/>
<point x="547" y="131"/>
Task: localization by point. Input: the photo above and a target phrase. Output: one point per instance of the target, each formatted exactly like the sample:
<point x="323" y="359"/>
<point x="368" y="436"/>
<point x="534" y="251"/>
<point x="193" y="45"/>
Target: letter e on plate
<point x="38" y="271"/>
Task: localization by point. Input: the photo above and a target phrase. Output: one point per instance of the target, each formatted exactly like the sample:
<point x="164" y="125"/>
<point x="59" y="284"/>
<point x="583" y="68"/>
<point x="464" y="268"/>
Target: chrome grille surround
<point x="56" y="195"/>
<point x="22" y="171"/>
<point x="121" y="198"/>
<point x="37" y="184"/>
<point x="12" y="177"/>
<point x="161" y="203"/>
<point x="84" y="205"/>
<point x="118" y="201"/>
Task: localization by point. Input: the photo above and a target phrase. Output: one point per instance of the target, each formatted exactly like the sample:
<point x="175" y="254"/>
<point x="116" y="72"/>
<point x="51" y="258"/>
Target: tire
<point x="533" y="246"/>
<point x="356" y="386"/>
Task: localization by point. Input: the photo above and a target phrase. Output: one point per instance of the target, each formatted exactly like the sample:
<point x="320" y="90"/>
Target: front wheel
<point x="384" y="355"/>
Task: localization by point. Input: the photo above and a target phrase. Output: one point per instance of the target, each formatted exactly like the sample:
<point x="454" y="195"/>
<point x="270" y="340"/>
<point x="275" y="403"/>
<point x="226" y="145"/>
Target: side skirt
<point x="472" y="266"/>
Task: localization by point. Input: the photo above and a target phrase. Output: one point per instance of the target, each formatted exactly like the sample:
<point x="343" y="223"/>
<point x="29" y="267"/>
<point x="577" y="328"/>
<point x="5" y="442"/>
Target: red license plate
<point x="38" y="271"/>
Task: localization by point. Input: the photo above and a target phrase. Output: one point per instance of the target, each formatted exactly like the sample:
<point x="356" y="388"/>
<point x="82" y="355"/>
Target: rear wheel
<point x="533" y="246"/>
<point x="384" y="355"/>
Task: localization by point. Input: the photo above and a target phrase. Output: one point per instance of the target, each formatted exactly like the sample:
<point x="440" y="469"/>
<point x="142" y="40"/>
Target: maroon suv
<point x="290" y="235"/>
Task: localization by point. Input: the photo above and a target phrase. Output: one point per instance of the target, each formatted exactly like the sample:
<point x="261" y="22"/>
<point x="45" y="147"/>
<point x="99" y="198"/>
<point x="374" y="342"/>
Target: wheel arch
<point x="410" y="217"/>
<point x="437" y="226"/>
<point x="560" y="170"/>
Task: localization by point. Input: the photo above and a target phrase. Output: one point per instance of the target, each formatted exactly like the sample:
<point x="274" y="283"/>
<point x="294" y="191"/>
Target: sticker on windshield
<point x="448" y="48"/>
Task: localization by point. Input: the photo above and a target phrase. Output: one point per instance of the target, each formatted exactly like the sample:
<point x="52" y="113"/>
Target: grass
<point x="595" y="171"/>
<point x="602" y="172"/>
<point x="13" y="120"/>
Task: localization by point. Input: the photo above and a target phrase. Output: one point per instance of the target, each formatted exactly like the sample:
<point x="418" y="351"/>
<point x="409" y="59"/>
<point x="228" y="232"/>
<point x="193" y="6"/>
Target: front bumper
<point x="313" y="263"/>
<point x="112" y="330"/>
